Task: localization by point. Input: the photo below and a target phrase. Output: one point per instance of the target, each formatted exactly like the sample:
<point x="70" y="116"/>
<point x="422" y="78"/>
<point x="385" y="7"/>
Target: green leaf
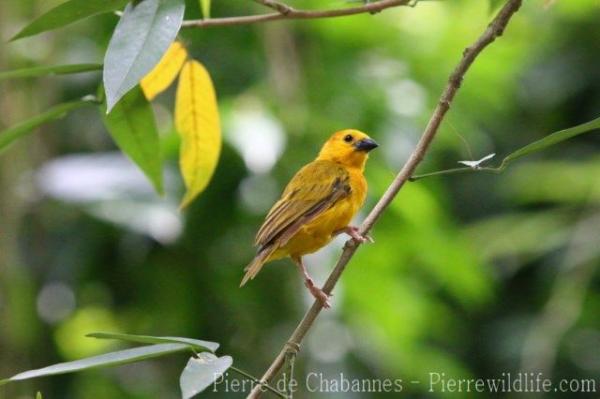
<point x="49" y="70"/>
<point x="38" y="395"/>
<point x="131" y="125"/>
<point x="108" y="359"/>
<point x="67" y="13"/>
<point x="205" y="6"/>
<point x="148" y="339"/>
<point x="202" y="371"/>
<point x="12" y="133"/>
<point x="550" y="140"/>
<point x="139" y="41"/>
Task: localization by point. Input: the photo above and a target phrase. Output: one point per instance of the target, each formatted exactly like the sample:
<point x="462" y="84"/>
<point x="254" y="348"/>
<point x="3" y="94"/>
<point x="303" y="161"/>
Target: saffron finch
<point x="317" y="204"/>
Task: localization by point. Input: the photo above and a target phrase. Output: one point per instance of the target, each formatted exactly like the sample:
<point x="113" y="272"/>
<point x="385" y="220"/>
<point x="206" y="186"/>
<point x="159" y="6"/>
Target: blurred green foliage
<point x="465" y="276"/>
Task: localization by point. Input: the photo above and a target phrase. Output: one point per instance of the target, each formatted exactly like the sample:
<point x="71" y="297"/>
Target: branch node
<point x="292" y="347"/>
<point x="445" y="103"/>
<point x="281" y="8"/>
<point x="284" y="11"/>
<point x="350" y="244"/>
<point x="456" y="80"/>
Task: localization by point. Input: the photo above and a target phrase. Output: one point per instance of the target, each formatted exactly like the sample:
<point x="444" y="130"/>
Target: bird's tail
<point x="257" y="263"/>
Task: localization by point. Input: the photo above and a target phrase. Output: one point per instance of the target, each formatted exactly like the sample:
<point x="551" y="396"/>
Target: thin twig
<point x="494" y="30"/>
<point x="277" y="6"/>
<point x="286" y="12"/>
<point x="454" y="171"/>
<point x="258" y="382"/>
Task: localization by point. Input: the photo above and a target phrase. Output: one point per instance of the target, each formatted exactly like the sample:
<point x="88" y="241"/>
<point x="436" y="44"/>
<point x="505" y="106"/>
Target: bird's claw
<point x="366" y="238"/>
<point x="359" y="238"/>
<point x="317" y="293"/>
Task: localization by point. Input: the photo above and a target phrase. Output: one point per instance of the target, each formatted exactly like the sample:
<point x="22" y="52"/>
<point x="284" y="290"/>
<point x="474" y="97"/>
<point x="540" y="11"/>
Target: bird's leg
<point x="353" y="232"/>
<point x="310" y="284"/>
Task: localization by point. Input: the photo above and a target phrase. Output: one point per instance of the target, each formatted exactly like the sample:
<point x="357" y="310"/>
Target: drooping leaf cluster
<point x="142" y="60"/>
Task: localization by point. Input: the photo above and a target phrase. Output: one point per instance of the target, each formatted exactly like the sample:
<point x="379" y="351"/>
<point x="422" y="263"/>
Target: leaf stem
<point x="538" y="145"/>
<point x="454" y="171"/>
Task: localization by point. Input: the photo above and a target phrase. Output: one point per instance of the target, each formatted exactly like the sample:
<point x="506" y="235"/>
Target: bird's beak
<point x="365" y="145"/>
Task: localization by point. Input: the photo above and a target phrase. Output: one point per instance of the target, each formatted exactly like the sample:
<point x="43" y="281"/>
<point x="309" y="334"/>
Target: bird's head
<point x="348" y="147"/>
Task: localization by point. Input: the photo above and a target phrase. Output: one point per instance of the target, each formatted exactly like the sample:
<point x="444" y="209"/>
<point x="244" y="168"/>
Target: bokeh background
<point x="471" y="275"/>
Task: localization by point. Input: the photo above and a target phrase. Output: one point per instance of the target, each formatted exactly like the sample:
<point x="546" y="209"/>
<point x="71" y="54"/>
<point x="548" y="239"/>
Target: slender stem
<point x="494" y="30"/>
<point x="287" y="12"/>
<point x="454" y="171"/>
<point x="258" y="382"/>
<point x="276" y="5"/>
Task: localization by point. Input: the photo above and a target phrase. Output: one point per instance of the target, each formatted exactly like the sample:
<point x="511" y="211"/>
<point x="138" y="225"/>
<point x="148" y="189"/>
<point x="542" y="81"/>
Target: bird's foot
<point x="317" y="293"/>
<point x="353" y="232"/>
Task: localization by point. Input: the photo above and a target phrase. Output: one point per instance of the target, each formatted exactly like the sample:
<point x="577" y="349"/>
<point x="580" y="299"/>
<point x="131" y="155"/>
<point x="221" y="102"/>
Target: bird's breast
<point x="319" y="232"/>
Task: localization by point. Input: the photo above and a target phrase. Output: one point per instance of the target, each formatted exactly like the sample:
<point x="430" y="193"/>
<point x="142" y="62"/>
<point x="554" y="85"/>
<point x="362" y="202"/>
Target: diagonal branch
<point x="287" y="12"/>
<point x="494" y="30"/>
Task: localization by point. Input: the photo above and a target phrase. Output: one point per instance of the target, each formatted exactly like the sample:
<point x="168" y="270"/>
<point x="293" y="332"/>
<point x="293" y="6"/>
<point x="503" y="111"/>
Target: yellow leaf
<point x="197" y="121"/>
<point x="205" y="6"/>
<point x="165" y="72"/>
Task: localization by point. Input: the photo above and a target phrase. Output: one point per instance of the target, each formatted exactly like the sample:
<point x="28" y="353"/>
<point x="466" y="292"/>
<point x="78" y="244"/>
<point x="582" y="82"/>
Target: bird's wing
<point x="313" y="190"/>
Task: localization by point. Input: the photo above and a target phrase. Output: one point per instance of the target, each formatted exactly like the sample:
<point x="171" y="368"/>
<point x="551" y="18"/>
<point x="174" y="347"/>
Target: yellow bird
<point x="317" y="204"/>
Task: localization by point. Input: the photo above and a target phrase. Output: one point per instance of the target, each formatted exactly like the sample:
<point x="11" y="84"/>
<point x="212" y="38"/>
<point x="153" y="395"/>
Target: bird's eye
<point x="348" y="138"/>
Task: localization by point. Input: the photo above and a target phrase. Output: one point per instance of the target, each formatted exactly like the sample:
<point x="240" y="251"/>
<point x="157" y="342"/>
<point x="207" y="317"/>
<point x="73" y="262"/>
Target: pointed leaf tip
<point x="200" y="372"/>
<point x="48" y="70"/>
<point x="139" y="41"/>
<point x="165" y="72"/>
<point x="197" y="344"/>
<point x="8" y="136"/>
<point x="108" y="359"/>
<point x="131" y="125"/>
<point x="205" y="7"/>
<point x="197" y="121"/>
<point x="67" y="13"/>
<point x="551" y="140"/>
